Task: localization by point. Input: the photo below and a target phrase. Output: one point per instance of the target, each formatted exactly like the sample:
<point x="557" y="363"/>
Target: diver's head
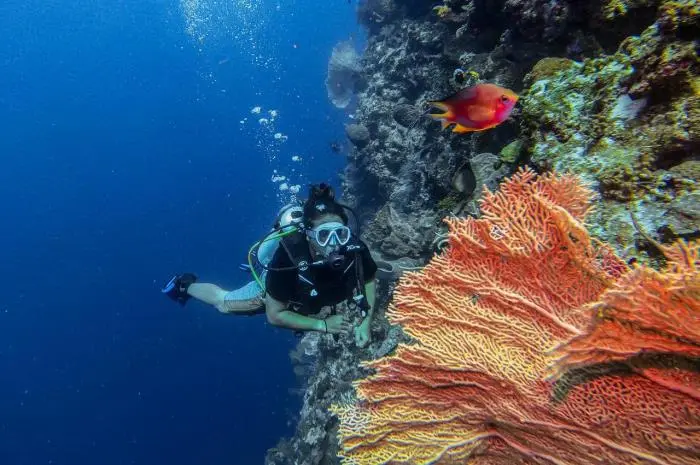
<point x="326" y="224"/>
<point x="321" y="202"/>
<point x="327" y="237"/>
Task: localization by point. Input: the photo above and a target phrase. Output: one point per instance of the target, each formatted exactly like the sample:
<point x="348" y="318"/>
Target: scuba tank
<point x="289" y="215"/>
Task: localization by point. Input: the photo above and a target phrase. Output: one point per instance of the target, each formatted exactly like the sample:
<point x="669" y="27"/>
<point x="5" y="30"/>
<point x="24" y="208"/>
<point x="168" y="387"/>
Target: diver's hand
<point x="362" y="333"/>
<point x="336" y="324"/>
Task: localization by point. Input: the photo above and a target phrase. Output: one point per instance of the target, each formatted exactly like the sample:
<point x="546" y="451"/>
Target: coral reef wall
<point x="535" y="345"/>
<point x="629" y="122"/>
<point x="609" y="91"/>
<point x="326" y="366"/>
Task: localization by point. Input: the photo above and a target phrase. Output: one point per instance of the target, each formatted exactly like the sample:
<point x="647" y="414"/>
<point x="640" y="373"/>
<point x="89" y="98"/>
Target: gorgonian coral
<point x="510" y="364"/>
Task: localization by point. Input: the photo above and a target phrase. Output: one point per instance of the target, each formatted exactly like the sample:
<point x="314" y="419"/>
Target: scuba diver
<point x="310" y="260"/>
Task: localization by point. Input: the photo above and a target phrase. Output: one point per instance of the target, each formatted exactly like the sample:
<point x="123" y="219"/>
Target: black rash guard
<point x="332" y="286"/>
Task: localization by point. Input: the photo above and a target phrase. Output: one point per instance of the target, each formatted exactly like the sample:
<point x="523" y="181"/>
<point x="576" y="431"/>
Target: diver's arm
<point x="370" y="294"/>
<point x="209" y="294"/>
<point x="279" y="315"/>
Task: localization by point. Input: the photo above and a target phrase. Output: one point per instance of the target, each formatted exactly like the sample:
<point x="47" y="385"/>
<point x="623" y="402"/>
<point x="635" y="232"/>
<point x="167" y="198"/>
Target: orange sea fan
<point x="487" y="316"/>
<point x="645" y="312"/>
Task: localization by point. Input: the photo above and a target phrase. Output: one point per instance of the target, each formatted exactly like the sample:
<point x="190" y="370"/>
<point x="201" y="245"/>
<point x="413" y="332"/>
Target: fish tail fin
<point x="447" y="113"/>
<point x="439" y="104"/>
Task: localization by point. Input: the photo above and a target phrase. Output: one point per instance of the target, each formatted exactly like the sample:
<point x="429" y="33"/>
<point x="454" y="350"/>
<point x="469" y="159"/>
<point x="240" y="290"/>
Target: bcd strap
<point x="359" y="298"/>
<point x="298" y="252"/>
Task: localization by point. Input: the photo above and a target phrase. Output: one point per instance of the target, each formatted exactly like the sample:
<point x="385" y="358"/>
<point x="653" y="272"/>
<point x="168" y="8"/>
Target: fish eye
<point x="504" y="98"/>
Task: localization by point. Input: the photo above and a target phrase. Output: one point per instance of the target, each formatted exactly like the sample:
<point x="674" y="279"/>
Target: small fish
<point x="336" y="147"/>
<point x="475" y="108"/>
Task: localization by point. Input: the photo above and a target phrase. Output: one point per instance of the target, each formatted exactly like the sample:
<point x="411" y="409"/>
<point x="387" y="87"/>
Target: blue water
<point x="124" y="160"/>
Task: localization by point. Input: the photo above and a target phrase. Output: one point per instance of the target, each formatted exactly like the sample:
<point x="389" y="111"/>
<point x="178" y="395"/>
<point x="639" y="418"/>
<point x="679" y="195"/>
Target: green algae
<point x="449" y="203"/>
<point x="511" y="152"/>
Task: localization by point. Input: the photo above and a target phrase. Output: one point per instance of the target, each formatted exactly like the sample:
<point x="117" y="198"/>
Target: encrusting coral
<point x="514" y="361"/>
<point x="626" y="122"/>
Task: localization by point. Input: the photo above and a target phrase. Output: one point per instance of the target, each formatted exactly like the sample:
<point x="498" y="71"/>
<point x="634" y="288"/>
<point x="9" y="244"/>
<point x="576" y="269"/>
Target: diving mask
<point x="332" y="233"/>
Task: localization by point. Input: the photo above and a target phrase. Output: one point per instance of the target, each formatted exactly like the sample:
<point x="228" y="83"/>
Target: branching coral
<point x="487" y="316"/>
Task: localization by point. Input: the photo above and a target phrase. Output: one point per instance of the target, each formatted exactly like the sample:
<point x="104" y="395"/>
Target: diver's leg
<point x="209" y="294"/>
<point x="246" y="300"/>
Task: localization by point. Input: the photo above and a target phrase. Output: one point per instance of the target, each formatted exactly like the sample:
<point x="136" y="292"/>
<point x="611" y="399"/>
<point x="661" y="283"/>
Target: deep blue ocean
<point x="129" y="152"/>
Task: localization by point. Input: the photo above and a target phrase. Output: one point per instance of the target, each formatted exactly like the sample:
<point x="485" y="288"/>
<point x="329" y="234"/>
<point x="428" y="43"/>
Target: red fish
<point x="476" y="108"/>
